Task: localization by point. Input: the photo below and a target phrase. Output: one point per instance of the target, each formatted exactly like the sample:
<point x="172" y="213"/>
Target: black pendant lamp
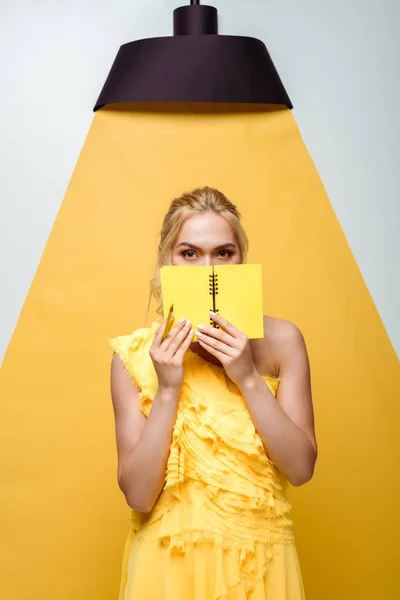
<point x="195" y="65"/>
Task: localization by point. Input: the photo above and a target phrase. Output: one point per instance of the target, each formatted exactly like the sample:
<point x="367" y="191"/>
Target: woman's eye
<point x="190" y="253"/>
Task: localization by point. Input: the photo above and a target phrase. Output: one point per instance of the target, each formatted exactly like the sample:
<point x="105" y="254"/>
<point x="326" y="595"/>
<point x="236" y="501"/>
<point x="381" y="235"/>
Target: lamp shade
<point x="196" y="64"/>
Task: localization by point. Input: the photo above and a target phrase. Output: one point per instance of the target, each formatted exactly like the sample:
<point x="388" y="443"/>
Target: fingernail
<point x="200" y="326"/>
<point x="182" y="320"/>
<point x="199" y="334"/>
<point x="187" y="323"/>
<point x="211" y="312"/>
<point x="191" y="332"/>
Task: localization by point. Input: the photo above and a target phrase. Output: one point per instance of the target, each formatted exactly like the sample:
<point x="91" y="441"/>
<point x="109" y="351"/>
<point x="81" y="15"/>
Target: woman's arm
<point x="142" y="444"/>
<point x="286" y="424"/>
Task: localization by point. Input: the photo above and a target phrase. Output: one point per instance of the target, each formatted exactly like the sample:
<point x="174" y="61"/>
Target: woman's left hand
<point x="231" y="346"/>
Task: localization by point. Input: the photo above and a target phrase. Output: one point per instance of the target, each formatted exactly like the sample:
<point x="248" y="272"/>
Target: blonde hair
<point x="191" y="203"/>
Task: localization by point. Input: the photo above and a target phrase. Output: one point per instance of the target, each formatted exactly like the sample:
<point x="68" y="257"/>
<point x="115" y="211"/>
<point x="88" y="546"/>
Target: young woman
<point x="209" y="434"/>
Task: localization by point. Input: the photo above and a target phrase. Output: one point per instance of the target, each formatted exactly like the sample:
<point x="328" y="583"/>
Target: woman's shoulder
<point x="280" y="336"/>
<point x="280" y="330"/>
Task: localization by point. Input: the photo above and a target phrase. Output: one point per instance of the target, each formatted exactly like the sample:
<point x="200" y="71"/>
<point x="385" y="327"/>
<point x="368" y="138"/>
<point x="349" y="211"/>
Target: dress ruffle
<point x="133" y="350"/>
<point x="221" y="488"/>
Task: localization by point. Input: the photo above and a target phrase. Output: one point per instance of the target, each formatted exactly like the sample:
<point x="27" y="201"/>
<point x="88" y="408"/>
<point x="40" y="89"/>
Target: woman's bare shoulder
<point x="281" y="339"/>
<point x="280" y="330"/>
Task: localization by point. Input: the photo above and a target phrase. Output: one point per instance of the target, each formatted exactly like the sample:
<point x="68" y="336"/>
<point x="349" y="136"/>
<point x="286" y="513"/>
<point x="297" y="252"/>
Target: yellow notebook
<point x="232" y="291"/>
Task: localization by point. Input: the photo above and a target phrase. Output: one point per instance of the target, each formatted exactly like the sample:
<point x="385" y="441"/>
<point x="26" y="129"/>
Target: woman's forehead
<point x="207" y="225"/>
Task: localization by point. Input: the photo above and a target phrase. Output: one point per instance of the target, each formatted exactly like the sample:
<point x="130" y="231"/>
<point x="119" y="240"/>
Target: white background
<point x="339" y="61"/>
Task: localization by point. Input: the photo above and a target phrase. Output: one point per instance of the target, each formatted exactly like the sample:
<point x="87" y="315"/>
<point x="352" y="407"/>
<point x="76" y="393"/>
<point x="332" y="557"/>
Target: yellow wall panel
<point x="63" y="519"/>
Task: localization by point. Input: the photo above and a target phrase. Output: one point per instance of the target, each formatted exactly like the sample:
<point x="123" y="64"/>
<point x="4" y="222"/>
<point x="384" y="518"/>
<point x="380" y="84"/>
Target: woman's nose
<point x="207" y="261"/>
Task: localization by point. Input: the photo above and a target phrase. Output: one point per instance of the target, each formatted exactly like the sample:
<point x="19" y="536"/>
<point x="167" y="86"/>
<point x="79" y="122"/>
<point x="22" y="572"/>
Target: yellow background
<point x="63" y="519"/>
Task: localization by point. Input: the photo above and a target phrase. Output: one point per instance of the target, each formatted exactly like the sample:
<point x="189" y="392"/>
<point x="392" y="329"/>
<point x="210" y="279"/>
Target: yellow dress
<point x="220" y="529"/>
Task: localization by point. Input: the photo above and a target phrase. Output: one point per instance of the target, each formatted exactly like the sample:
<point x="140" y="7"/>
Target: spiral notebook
<point x="233" y="291"/>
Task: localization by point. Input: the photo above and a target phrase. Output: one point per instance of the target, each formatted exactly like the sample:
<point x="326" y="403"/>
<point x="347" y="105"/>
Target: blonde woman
<point x="209" y="434"/>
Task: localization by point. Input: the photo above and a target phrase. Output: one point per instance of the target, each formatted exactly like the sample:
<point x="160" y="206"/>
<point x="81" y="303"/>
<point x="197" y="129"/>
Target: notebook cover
<point x="238" y="299"/>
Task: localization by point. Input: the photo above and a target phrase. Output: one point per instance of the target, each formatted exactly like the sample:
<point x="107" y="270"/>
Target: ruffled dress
<point x="221" y="527"/>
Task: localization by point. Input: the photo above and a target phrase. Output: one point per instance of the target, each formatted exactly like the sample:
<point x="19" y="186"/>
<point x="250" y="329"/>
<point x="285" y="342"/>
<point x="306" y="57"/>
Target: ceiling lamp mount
<point x="195" y="19"/>
<point x="196" y="64"/>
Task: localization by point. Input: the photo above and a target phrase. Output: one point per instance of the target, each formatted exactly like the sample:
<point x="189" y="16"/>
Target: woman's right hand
<point x="167" y="355"/>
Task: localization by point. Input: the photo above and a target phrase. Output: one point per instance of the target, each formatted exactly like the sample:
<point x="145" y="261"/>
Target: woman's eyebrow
<point x="227" y="244"/>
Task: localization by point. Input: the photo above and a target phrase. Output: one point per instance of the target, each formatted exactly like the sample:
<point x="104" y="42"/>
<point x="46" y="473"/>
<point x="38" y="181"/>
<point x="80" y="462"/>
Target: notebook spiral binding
<point x="213" y="291"/>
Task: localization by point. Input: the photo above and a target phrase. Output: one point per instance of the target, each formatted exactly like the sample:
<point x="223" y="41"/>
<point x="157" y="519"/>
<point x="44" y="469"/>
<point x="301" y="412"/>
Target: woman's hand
<point x="167" y="355"/>
<point x="230" y="346"/>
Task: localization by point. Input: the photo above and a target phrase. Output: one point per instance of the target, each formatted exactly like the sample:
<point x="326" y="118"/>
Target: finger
<point x="173" y="343"/>
<point x="225" y="324"/>
<point x="173" y="333"/>
<point x="218" y="349"/>
<point x="158" y="341"/>
<point x="181" y="351"/>
<point x="219" y="334"/>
